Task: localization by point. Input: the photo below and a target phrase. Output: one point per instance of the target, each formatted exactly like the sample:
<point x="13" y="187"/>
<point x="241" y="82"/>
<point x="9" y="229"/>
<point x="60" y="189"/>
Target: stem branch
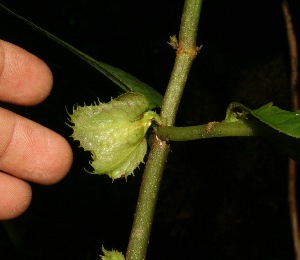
<point x="210" y="130"/>
<point x="186" y="52"/>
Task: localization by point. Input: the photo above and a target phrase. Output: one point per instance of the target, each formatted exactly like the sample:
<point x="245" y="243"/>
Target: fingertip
<point x="49" y="156"/>
<point x="61" y="158"/>
<point x="31" y="151"/>
<point x="15" y="196"/>
<point x="24" y="78"/>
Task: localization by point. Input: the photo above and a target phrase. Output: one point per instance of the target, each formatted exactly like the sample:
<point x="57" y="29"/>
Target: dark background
<point x="220" y="198"/>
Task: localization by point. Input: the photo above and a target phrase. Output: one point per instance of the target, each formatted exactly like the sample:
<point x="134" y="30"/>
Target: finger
<point x="15" y="196"/>
<point x="24" y="78"/>
<point x="32" y="152"/>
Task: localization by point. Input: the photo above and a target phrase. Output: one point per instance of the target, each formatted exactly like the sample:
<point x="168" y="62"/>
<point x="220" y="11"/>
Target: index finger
<point x="24" y="78"/>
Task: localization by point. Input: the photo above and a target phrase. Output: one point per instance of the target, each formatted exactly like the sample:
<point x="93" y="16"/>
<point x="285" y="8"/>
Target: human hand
<point x="28" y="151"/>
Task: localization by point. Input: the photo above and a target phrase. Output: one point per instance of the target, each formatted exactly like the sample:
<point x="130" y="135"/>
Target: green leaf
<point x="284" y="121"/>
<point x="284" y="125"/>
<point x="124" y="80"/>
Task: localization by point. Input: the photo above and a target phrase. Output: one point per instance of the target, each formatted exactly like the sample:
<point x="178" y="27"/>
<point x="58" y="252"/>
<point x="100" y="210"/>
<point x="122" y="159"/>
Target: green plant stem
<point x="139" y="237"/>
<point x="186" y="52"/>
<point x="210" y="130"/>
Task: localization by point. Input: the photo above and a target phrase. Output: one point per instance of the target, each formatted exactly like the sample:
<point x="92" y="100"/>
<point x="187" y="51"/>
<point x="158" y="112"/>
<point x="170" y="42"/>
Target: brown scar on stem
<point x="210" y="125"/>
<point x="180" y="50"/>
<point x="159" y="141"/>
<point x="191" y="52"/>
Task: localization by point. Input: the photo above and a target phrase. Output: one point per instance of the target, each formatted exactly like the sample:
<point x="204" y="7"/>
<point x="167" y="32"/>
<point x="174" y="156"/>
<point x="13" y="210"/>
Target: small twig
<point x="295" y="106"/>
<point x="211" y="130"/>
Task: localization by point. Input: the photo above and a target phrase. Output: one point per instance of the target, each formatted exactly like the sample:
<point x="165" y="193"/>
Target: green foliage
<point x="124" y="80"/>
<point x="281" y="127"/>
<point x="128" y="82"/>
<point x="285" y="122"/>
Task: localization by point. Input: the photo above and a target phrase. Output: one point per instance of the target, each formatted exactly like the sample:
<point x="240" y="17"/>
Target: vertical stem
<point x="186" y="52"/>
<point x="295" y="106"/>
<point x="141" y="229"/>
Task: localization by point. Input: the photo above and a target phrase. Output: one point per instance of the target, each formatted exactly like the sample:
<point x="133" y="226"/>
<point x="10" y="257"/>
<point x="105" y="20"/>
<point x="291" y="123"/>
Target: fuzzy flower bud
<point x="111" y="255"/>
<point x="114" y="133"/>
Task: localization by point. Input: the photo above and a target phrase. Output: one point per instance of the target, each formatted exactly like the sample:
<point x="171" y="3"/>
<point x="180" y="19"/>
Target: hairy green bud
<point x="112" y="255"/>
<point x="114" y="133"/>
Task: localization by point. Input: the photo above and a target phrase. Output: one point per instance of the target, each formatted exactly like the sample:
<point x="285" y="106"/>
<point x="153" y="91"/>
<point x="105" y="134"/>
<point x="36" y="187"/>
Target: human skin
<point x="28" y="151"/>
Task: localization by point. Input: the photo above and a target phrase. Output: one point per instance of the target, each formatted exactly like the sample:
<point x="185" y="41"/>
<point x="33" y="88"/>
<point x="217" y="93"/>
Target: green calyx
<point x="114" y="133"/>
<point x="111" y="255"/>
